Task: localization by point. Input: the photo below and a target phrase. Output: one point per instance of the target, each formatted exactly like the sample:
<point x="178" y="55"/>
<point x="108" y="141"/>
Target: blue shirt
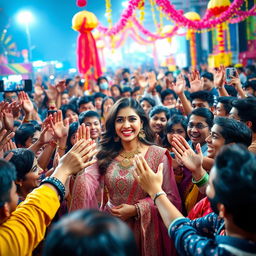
<point x="204" y="148"/>
<point x="200" y="237"/>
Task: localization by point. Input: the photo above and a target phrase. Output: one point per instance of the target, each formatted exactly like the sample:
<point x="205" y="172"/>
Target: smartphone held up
<point x="230" y="73"/>
<point x="15" y="86"/>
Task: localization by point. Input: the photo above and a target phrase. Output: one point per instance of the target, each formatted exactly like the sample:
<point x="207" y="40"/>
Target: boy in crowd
<point x="91" y="119"/>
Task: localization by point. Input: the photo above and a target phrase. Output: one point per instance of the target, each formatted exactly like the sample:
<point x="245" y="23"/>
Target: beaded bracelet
<point x="157" y="195"/>
<point x="202" y="181"/>
<point x="57" y="184"/>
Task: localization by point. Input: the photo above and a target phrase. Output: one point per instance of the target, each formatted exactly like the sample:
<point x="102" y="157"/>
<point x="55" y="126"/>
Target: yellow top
<point x="25" y="228"/>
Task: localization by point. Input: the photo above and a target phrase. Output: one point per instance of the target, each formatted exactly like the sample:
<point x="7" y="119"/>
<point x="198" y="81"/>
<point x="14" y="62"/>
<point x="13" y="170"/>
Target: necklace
<point x="127" y="156"/>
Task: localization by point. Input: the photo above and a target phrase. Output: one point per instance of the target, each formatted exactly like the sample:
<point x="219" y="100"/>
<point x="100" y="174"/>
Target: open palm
<point x="184" y="153"/>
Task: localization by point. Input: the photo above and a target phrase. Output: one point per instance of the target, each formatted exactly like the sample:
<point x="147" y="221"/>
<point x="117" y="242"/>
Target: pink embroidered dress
<point x="118" y="186"/>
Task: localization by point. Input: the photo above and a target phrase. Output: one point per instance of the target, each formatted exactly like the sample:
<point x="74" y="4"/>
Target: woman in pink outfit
<point x="109" y="184"/>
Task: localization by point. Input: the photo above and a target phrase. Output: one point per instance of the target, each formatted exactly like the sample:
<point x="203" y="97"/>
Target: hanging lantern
<point x="88" y="61"/>
<point x="191" y="36"/>
<point x="216" y="8"/>
<point x="81" y="3"/>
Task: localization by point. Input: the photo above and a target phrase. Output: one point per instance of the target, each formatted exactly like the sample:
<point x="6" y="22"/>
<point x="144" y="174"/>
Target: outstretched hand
<point x="185" y="154"/>
<point x="219" y="77"/>
<point x="59" y="126"/>
<point x="149" y="181"/>
<point x="180" y="85"/>
<point x="83" y="133"/>
<point x="78" y="157"/>
<point x="195" y="81"/>
<point x="26" y="103"/>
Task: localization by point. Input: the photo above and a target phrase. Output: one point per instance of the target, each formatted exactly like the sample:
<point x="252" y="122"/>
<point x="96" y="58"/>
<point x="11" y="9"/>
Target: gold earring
<point x="142" y="134"/>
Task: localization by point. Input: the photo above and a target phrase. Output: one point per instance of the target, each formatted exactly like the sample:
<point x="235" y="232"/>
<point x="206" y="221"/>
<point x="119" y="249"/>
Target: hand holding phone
<point x="230" y="73"/>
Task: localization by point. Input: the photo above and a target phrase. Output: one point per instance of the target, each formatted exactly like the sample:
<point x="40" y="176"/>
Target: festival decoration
<point x="81" y="3"/>
<point x="149" y="34"/>
<point x="88" y="61"/>
<point x="109" y="13"/>
<point x="216" y="8"/>
<point x="180" y="20"/>
<point x="125" y="16"/>
<point x="141" y="7"/>
<point x="191" y="36"/>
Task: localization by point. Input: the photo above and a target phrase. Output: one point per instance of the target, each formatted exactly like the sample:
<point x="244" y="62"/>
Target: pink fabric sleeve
<point x="83" y="194"/>
<point x="169" y="183"/>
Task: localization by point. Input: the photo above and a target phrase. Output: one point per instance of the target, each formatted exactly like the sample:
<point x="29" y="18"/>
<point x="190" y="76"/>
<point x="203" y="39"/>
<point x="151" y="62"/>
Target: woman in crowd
<point x="147" y="104"/>
<point x="69" y="111"/>
<point x="116" y="91"/>
<point x="127" y="134"/>
<point x="107" y="103"/>
<point x="158" y="117"/>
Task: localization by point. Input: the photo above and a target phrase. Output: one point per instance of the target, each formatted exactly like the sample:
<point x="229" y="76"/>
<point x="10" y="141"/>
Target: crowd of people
<point x="142" y="163"/>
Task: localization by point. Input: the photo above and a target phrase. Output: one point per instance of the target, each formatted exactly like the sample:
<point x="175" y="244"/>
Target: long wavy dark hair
<point x="109" y="148"/>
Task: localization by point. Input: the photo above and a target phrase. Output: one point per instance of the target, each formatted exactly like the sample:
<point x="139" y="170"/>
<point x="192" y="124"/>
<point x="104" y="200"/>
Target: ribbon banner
<point x="16" y="69"/>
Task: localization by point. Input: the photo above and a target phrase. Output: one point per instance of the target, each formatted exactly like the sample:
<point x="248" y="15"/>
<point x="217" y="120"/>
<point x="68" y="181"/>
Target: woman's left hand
<point x="124" y="211"/>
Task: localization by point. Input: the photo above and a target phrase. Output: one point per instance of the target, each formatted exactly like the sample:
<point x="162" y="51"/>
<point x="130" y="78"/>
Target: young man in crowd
<point x="224" y="105"/>
<point x="232" y="197"/>
<point x="244" y="110"/>
<point x="85" y="103"/>
<point x="200" y="122"/>
<point x="202" y="99"/>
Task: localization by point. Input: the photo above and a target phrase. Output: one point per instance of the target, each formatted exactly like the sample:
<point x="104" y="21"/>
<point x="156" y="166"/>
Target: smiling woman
<point x="113" y="176"/>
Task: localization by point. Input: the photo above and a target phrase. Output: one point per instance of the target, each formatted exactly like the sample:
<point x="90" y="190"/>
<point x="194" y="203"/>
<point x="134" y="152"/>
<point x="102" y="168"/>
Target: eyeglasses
<point x="198" y="126"/>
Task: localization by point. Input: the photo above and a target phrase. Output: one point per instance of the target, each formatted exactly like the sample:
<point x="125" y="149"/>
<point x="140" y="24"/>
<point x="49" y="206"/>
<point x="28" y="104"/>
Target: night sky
<point x="51" y="33"/>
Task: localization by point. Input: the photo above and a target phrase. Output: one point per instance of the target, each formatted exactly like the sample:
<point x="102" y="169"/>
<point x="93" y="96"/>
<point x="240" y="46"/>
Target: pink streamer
<point x="148" y="33"/>
<point x="180" y="20"/>
<point x="242" y="15"/>
<point x="120" y="25"/>
<point x="177" y="16"/>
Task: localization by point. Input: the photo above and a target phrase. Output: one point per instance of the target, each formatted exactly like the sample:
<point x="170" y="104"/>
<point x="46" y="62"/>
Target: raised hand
<point x="180" y="85"/>
<point x="59" y="127"/>
<point x="219" y="77"/>
<point x="149" y="181"/>
<point x="8" y="120"/>
<point x="142" y="80"/>
<point x="26" y="103"/>
<point x="9" y="145"/>
<point x="78" y="157"/>
<point x="83" y="133"/>
<point x="46" y="135"/>
<point x="61" y="86"/>
<point x="152" y="80"/>
<point x="235" y="81"/>
<point x="15" y="107"/>
<point x="5" y="138"/>
<point x="52" y="93"/>
<point x="195" y="81"/>
<point x="185" y="154"/>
